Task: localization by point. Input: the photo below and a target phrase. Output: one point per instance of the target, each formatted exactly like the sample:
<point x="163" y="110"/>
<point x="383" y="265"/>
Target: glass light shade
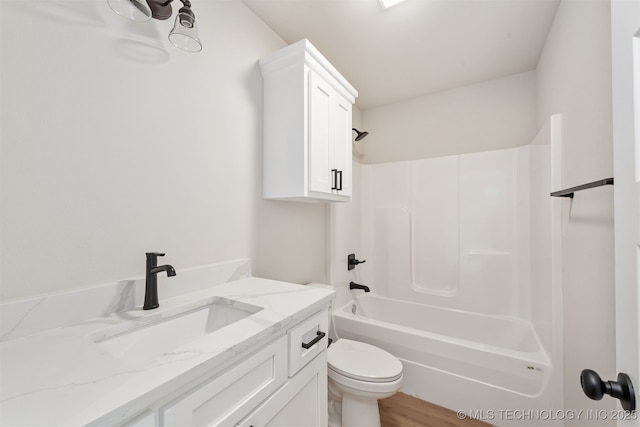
<point x="133" y="10"/>
<point x="184" y="34"/>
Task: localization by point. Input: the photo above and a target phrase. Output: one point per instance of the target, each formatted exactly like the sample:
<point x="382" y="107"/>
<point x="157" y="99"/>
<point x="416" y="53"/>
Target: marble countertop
<point x="62" y="377"/>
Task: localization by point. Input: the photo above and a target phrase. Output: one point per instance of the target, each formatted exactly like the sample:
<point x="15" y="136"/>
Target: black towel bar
<point x="569" y="191"/>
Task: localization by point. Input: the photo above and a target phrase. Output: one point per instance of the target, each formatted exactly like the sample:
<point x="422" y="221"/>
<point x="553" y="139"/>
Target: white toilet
<point x="361" y="374"/>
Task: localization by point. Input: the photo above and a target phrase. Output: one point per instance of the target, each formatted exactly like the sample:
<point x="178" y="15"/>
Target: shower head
<point x="360" y="135"/>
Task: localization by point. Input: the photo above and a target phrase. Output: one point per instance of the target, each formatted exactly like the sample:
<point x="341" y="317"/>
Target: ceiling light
<point x="386" y="4"/>
<point x="184" y="34"/>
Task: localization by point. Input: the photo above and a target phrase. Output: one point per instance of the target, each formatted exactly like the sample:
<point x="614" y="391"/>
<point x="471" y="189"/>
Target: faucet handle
<point x="154" y="254"/>
<point x="152" y="259"/>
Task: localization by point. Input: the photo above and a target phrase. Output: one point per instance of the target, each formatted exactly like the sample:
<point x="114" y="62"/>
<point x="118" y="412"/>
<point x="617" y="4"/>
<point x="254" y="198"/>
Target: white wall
<point x="345" y="229"/>
<point x="486" y="116"/>
<point x="115" y="143"/>
<point x="345" y="238"/>
<point x="574" y="78"/>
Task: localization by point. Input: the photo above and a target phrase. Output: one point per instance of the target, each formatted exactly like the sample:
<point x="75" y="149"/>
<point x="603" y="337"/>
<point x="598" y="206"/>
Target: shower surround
<point x="454" y="231"/>
<point x="473" y="235"/>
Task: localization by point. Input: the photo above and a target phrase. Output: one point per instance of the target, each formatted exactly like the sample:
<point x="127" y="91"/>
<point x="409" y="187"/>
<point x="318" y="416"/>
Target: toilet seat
<point x="363" y="362"/>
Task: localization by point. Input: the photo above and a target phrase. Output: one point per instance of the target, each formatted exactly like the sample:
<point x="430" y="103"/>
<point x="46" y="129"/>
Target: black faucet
<point x="354" y="285"/>
<point x="151" y="284"/>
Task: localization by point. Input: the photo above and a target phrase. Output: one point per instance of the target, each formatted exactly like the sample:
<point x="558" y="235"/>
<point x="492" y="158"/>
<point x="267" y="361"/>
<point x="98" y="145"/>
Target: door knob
<point x="595" y="388"/>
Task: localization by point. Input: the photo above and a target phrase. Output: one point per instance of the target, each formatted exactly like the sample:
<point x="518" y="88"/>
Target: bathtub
<point x="456" y="359"/>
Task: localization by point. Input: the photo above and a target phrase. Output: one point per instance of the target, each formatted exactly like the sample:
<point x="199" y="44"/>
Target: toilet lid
<point x="363" y="361"/>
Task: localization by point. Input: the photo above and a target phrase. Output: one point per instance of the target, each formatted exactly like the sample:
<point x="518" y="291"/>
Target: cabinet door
<point x="301" y="402"/>
<point x="229" y="396"/>
<point x="320" y="135"/>
<point x="302" y="410"/>
<point x="341" y="139"/>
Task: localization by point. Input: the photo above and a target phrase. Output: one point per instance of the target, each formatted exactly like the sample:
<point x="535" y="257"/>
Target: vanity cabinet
<point x="307" y="126"/>
<point x="226" y="398"/>
<point x="281" y="383"/>
<point x="302" y="401"/>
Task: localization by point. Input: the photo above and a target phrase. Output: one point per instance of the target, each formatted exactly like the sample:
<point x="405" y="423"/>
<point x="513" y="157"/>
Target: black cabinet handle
<point x="340" y="185"/>
<point x="334" y="179"/>
<point x="310" y="344"/>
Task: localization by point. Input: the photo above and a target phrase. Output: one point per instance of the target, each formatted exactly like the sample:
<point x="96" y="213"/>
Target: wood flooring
<point x="402" y="410"/>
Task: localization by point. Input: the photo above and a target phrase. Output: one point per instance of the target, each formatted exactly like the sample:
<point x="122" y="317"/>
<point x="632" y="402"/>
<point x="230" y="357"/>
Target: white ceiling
<point x="418" y="47"/>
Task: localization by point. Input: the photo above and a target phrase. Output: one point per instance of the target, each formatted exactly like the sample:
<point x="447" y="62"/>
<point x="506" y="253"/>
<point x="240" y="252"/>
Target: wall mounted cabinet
<point x="307" y="126"/>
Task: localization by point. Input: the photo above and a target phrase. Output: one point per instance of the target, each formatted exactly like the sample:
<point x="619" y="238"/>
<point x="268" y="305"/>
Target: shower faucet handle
<point x="352" y="261"/>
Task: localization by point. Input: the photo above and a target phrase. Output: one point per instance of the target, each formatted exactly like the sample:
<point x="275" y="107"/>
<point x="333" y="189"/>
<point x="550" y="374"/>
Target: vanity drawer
<point x="307" y="340"/>
<point x="231" y="395"/>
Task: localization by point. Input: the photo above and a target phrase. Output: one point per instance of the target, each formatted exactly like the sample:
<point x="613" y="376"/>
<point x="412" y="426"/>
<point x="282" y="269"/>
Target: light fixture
<point x="184" y="34"/>
<point x="360" y="135"/>
<point x="134" y="10"/>
<point x="386" y="4"/>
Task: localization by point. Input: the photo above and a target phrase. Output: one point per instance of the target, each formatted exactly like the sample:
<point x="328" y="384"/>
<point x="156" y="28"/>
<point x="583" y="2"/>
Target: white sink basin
<point x="149" y="337"/>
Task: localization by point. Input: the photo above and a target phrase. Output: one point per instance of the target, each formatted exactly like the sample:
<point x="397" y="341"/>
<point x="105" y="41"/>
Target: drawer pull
<point x="313" y="341"/>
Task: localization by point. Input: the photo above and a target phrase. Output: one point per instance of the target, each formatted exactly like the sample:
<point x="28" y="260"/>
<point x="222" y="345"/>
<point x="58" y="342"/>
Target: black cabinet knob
<point x="595" y="388"/>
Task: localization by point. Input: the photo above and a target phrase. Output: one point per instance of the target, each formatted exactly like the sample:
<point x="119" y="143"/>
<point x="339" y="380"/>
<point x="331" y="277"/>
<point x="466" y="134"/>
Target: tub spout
<point x="354" y="285"/>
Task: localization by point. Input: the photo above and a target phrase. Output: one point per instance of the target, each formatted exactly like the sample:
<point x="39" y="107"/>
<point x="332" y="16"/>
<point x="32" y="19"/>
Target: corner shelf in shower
<point x="569" y="191"/>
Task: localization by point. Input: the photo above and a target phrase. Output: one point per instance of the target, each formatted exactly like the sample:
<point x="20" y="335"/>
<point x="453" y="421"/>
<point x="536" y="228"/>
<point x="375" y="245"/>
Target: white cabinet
<point x="226" y="398"/>
<point x="282" y="383"/>
<point x="329" y="139"/>
<point x="301" y="402"/>
<point x="307" y="126"/>
<point x="307" y="340"/>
